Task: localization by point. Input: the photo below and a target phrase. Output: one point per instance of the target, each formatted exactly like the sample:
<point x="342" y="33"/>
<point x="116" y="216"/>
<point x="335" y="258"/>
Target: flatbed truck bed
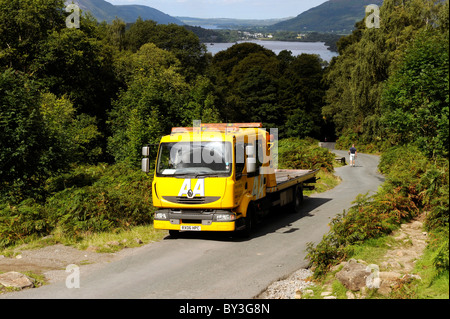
<point x="286" y="178"/>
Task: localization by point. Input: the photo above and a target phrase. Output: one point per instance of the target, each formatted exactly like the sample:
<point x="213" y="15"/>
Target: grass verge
<point x="105" y="242"/>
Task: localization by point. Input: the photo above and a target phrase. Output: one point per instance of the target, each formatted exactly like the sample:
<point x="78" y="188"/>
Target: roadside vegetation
<point x="80" y="205"/>
<point x="397" y="106"/>
<point x="295" y="153"/>
<point x="413" y="185"/>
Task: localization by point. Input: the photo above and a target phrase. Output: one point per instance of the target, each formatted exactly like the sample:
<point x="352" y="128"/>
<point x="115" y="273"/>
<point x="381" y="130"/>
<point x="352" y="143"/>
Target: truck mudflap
<point x="195" y="220"/>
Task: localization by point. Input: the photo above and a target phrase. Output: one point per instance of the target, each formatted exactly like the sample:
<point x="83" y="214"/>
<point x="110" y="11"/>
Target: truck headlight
<point x="161" y="215"/>
<point x="224" y="217"/>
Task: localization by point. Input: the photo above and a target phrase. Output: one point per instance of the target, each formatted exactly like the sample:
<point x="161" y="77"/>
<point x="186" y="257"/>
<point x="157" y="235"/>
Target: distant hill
<point x="226" y="23"/>
<point x="332" y="16"/>
<point x="105" y="11"/>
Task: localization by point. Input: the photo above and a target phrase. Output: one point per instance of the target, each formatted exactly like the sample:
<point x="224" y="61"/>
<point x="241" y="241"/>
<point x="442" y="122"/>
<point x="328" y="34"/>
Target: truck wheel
<point x="298" y="198"/>
<point x="249" y="221"/>
<point x="174" y="233"/>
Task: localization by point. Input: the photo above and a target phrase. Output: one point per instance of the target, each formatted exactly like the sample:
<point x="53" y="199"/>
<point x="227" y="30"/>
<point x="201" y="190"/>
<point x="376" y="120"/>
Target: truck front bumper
<point x="198" y="220"/>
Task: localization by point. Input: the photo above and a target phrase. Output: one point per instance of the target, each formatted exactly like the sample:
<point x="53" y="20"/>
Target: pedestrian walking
<point x="353" y="154"/>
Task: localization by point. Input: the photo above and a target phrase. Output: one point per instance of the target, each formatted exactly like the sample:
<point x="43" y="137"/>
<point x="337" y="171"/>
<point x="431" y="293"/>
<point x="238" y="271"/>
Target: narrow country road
<point x="214" y="266"/>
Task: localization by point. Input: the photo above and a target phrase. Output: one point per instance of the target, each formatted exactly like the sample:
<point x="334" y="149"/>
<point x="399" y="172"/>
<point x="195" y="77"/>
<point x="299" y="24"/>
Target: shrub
<point x="441" y="257"/>
<point x="413" y="184"/>
<point x="119" y="198"/>
<point x="371" y="217"/>
<point x="294" y="153"/>
<point x="88" y="199"/>
<point x="22" y="221"/>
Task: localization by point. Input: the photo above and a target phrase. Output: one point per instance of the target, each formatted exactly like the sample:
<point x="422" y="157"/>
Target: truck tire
<point x="174" y="233"/>
<point x="249" y="221"/>
<point x="298" y="198"/>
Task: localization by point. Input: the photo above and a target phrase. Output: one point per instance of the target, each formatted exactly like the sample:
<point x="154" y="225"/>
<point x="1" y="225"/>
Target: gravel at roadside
<point x="287" y="288"/>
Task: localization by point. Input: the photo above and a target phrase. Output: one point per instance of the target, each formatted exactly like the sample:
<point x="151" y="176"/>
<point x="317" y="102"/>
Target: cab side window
<point x="240" y="159"/>
<point x="259" y="155"/>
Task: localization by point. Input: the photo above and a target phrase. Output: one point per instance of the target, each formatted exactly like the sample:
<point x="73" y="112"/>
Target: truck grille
<point x="192" y="201"/>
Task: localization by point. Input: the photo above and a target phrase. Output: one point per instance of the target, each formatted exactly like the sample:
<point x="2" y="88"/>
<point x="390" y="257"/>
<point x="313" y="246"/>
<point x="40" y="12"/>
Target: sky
<point x="237" y="9"/>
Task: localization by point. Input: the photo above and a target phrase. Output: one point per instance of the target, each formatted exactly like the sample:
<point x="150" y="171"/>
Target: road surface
<point x="215" y="266"/>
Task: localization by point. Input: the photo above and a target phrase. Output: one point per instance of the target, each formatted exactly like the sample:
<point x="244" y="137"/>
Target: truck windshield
<point x="194" y="159"/>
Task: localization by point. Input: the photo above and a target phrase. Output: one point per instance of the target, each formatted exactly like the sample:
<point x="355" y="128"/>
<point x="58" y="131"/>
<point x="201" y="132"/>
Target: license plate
<point x="191" y="228"/>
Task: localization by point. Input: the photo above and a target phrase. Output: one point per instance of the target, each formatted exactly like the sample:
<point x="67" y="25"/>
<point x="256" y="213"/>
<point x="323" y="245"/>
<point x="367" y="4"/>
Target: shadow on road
<point x="279" y="221"/>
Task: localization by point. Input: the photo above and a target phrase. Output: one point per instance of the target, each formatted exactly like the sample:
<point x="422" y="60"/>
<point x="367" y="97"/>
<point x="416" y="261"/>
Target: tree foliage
<point x="178" y="40"/>
<point x="24" y="25"/>
<point x="40" y="136"/>
<point x="416" y="98"/>
<point x="368" y="58"/>
<point x="76" y="136"/>
<point x="152" y="102"/>
<point x="71" y="63"/>
<point x="27" y="155"/>
<point x="254" y="84"/>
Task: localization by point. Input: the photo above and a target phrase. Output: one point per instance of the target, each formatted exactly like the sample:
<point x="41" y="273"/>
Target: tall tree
<point x="183" y="43"/>
<point x="416" y="98"/>
<point x="72" y="63"/>
<point x="245" y="77"/>
<point x="23" y="25"/>
<point x="367" y="58"/>
<point x="301" y="96"/>
<point x="253" y="91"/>
<point x="27" y="155"/>
<point x="151" y="104"/>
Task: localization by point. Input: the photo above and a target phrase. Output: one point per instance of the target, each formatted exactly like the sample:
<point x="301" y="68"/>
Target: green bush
<point x="19" y="222"/>
<point x="88" y="199"/>
<point x="413" y="185"/>
<point x="441" y="258"/>
<point x="79" y="176"/>
<point x="294" y="153"/>
<point x="27" y="154"/>
<point x="371" y="217"/>
<point x="413" y="174"/>
<point x="119" y="199"/>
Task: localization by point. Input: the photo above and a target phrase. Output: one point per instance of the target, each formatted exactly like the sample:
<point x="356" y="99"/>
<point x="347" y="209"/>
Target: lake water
<point x="296" y="48"/>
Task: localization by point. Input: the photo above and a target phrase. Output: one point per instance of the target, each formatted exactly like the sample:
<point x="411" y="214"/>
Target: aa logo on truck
<point x="186" y="189"/>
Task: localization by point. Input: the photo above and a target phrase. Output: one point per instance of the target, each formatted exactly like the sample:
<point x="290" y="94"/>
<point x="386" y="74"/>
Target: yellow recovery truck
<point x="220" y="177"/>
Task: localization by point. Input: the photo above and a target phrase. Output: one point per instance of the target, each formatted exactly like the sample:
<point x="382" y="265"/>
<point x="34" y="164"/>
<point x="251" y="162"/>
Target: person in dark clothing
<point x="353" y="154"/>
